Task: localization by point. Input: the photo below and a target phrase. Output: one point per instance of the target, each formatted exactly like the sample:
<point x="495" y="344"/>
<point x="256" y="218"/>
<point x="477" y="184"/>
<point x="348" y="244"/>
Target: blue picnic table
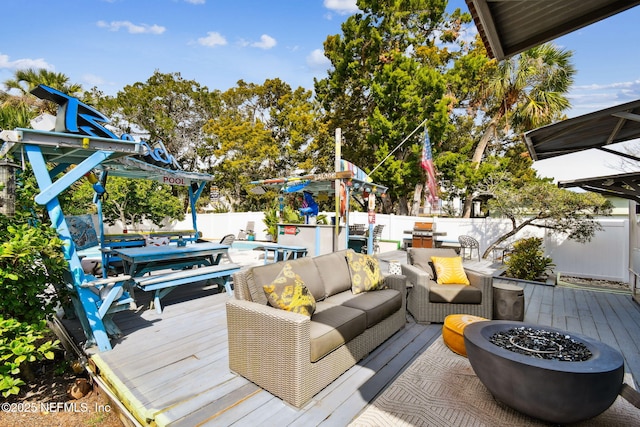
<point x="170" y="266"/>
<point x="282" y="252"/>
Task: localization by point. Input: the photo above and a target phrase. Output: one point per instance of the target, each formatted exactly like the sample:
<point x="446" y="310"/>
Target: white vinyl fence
<point x="606" y="256"/>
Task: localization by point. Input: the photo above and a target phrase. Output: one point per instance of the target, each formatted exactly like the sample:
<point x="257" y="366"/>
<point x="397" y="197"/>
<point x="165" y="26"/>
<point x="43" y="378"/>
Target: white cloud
<point x="132" y="28"/>
<point x="24" y="63"/>
<point x="93" y="80"/>
<point x="195" y="1"/>
<point x="588" y="98"/>
<point x="343" y="7"/>
<point x="316" y="60"/>
<point x="212" y="39"/>
<point x="266" y="42"/>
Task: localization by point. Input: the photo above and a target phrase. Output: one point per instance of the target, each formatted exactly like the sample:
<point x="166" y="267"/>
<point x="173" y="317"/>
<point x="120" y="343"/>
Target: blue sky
<point x="112" y="43"/>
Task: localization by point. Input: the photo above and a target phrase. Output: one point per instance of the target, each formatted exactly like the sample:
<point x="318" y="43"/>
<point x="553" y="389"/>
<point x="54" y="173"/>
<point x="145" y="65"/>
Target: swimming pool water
<point x="245" y="245"/>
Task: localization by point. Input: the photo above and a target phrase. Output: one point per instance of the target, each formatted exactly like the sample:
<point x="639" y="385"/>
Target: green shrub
<point x="31" y="259"/>
<point x="527" y="261"/>
<point x="20" y="345"/>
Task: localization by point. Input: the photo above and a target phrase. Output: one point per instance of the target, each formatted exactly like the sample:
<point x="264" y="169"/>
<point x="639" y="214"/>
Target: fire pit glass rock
<point x="547" y="373"/>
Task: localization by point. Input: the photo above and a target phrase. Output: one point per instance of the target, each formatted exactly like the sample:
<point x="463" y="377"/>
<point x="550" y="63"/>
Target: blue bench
<point x="164" y="283"/>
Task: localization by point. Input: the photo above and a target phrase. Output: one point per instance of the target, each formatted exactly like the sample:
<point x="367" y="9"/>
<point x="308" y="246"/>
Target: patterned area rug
<point x="440" y="389"/>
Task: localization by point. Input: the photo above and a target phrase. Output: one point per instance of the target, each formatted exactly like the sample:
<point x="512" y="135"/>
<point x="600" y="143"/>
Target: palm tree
<point x="18" y="110"/>
<point x="27" y="80"/>
<point x="524" y="93"/>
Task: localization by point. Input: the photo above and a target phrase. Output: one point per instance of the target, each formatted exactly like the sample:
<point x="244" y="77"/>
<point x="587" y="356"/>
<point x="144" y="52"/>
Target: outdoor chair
<point x="248" y="231"/>
<point x="85" y="239"/>
<point x="468" y="243"/>
<point x="228" y="240"/>
<point x="357" y="229"/>
<point x="431" y="302"/>
<point x="377" y="232"/>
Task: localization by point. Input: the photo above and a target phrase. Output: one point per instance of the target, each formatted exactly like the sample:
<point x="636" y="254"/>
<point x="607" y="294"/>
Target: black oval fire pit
<point x="536" y="377"/>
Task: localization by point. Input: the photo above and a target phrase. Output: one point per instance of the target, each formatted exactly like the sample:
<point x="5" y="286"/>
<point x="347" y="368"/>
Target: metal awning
<point x="508" y="27"/>
<point x="626" y="186"/>
<point x="594" y="130"/>
<point x="597" y="131"/>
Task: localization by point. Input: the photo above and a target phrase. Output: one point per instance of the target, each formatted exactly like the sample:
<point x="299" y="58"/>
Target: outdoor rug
<point x="440" y="389"/>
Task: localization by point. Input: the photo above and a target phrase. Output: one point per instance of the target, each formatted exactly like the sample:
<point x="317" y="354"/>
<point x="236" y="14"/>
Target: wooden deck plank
<point x="209" y="406"/>
<point x="369" y="390"/>
<point x="158" y="352"/>
<point x="619" y="324"/>
<point x="360" y="388"/>
<point x="263" y="415"/>
<point x="191" y="383"/>
<point x="152" y="389"/>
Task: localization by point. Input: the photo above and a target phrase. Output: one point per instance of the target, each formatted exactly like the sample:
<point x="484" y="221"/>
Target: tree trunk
<point x="466" y="209"/>
<point x="504" y="237"/>
<point x="417" y="197"/>
<point x="478" y="154"/>
<point x="484" y="142"/>
<point x="403" y="205"/>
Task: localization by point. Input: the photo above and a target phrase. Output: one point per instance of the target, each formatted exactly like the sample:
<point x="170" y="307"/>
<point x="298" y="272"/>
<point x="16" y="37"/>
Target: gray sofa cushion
<point x="332" y="326"/>
<point x="378" y="305"/>
<point x="334" y="271"/>
<point x="455" y="294"/>
<point x="306" y="269"/>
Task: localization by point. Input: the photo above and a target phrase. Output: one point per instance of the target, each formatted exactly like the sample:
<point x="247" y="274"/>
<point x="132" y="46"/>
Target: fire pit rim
<point x="556" y="391"/>
<point x="603" y="354"/>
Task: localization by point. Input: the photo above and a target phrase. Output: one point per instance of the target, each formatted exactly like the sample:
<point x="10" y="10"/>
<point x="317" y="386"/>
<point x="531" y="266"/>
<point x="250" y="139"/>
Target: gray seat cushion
<point x="332" y="326"/>
<point x="378" y="305"/>
<point x="455" y="294"/>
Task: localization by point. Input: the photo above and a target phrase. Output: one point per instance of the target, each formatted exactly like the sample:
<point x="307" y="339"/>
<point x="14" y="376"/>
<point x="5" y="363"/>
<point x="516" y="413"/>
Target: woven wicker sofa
<point x="294" y="356"/>
<point x="425" y="301"/>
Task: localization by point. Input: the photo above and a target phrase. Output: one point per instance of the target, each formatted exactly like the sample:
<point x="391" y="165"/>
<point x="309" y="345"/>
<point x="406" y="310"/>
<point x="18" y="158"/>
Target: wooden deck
<point x="172" y="368"/>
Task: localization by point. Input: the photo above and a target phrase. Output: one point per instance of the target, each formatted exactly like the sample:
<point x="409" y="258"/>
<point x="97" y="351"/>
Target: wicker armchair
<point x="420" y="302"/>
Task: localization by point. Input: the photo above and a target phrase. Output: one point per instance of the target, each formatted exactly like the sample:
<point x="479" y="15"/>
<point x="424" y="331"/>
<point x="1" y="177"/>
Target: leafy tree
<point x="527" y="260"/>
<point x="541" y="204"/>
<point x="166" y="108"/>
<point x="27" y="80"/>
<point x="388" y="76"/>
<point x="262" y="131"/>
<point x="131" y="201"/>
<point x="513" y="96"/>
<point x="31" y="258"/>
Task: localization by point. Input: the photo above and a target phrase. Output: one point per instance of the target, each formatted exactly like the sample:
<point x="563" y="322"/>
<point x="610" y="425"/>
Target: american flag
<point x="427" y="165"/>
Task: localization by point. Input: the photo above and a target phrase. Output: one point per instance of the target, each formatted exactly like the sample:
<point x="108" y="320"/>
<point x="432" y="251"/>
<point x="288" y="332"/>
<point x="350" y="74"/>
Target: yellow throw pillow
<point x="365" y="272"/>
<point x="449" y="271"/>
<point x="288" y="292"/>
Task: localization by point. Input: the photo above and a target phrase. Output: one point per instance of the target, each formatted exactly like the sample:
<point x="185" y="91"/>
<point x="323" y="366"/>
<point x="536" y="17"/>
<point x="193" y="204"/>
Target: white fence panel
<point x="606" y="256"/>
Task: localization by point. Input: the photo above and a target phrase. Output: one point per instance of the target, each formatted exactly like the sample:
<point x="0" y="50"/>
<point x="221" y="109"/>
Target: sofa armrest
<point x="399" y="283"/>
<point x="482" y="281"/>
<point x="416" y="275"/>
<point x="263" y="336"/>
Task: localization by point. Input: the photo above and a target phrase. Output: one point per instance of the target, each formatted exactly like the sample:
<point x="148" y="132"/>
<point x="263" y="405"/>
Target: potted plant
<point x="272" y="218"/>
<point x="528" y="262"/>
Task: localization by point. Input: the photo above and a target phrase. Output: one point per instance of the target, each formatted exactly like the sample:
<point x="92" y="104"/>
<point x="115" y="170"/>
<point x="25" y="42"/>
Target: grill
<point x="422" y="235"/>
